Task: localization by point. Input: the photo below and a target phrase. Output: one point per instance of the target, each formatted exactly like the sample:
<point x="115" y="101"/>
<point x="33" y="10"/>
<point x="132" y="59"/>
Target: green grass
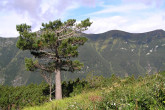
<point x="114" y="93"/>
<point x="83" y="99"/>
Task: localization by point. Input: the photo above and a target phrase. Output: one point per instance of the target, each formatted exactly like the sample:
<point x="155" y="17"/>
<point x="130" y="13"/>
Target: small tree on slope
<point x="52" y="47"/>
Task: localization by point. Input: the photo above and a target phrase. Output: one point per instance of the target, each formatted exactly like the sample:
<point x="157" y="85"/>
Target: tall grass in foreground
<point x="100" y="93"/>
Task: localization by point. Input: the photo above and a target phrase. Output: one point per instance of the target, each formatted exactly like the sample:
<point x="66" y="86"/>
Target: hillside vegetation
<point x="91" y="93"/>
<point x="113" y="52"/>
<point x="114" y="93"/>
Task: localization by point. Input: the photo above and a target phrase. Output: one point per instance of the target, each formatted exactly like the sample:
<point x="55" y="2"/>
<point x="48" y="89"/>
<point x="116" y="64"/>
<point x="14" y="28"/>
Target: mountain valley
<point x="112" y="52"/>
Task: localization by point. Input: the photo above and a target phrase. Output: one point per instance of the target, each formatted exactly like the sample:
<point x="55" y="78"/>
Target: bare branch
<point x="46" y="76"/>
<point x="42" y="67"/>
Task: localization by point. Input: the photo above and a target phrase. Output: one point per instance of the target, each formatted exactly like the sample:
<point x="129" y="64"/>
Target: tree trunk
<point x="58" y="92"/>
<point x="50" y="88"/>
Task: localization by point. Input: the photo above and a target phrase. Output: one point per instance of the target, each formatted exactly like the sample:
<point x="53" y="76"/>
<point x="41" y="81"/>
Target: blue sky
<point x="134" y="16"/>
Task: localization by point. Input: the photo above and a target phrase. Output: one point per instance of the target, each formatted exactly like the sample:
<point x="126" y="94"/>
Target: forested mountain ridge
<point x="127" y="53"/>
<point x="114" y="51"/>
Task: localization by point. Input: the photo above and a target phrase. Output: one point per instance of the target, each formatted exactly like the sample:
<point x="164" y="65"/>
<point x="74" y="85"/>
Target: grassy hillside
<point x="113" y="52"/>
<point x="114" y="93"/>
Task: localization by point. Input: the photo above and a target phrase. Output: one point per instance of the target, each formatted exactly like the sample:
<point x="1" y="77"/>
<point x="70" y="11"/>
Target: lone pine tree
<point x="53" y="46"/>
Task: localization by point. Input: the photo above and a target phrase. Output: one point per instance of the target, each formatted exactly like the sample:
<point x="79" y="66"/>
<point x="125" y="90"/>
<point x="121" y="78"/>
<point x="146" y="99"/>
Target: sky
<point x="135" y="16"/>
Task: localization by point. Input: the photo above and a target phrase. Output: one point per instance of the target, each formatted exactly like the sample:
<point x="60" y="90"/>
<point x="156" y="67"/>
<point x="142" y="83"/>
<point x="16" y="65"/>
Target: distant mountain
<point x="117" y="52"/>
<point x="12" y="68"/>
<point x="131" y="53"/>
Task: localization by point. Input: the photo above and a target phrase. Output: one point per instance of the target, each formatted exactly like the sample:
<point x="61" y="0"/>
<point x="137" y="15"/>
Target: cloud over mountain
<point x="131" y="15"/>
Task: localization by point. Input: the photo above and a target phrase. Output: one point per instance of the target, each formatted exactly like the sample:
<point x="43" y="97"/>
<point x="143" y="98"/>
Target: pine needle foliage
<point x="55" y="43"/>
<point x="53" y="46"/>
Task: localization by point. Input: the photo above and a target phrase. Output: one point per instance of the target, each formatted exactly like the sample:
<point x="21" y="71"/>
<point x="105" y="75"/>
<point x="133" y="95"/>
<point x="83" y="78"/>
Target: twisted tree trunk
<point x="58" y="92"/>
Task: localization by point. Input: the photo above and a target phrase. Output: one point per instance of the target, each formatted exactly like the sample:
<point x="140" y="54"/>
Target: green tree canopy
<point x="54" y="44"/>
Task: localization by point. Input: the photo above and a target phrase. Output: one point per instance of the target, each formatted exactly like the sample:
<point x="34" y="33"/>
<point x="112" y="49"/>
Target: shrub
<point x="18" y="97"/>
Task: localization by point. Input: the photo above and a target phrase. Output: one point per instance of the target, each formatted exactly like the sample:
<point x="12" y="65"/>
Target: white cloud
<point x="151" y="22"/>
<point x="120" y="9"/>
<point x="135" y="17"/>
<point x="146" y="2"/>
<point x="128" y="23"/>
<point x="8" y="24"/>
<point x="129" y="15"/>
<point x="32" y="7"/>
<point x="105" y="24"/>
<point x="35" y="12"/>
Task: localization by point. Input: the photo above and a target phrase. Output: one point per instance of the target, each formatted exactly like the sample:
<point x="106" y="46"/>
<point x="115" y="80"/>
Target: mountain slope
<point x="131" y="53"/>
<point x="115" y="52"/>
<point x="12" y="68"/>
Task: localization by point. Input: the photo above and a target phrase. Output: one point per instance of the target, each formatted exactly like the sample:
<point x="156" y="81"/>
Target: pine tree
<point x="53" y="46"/>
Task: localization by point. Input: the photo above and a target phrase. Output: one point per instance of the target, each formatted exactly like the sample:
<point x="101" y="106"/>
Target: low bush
<point x="18" y="97"/>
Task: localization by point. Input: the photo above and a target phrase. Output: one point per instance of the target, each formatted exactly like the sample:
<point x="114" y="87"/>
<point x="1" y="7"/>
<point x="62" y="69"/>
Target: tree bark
<point x="48" y="79"/>
<point x="50" y="88"/>
<point x="58" y="92"/>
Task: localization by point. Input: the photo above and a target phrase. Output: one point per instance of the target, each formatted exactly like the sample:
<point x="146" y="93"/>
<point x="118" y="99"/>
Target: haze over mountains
<point x="111" y="52"/>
